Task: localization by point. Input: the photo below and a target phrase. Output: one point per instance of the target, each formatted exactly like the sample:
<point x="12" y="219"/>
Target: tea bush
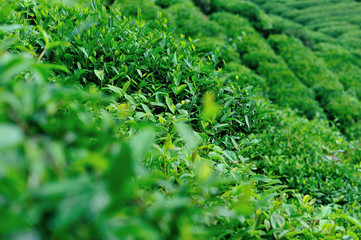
<point x="244" y="76"/>
<point x="314" y="73"/>
<point x="208" y="46"/>
<point x="191" y="22"/>
<point x="343" y="64"/>
<point x="246" y="9"/>
<point x="312" y="157"/>
<point x="292" y="29"/>
<point x="285" y="88"/>
<point x="233" y="25"/>
<point x="332" y="18"/>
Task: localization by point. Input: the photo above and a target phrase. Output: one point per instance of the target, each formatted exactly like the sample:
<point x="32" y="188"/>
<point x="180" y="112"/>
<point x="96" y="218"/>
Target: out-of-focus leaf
<point x="56" y="44"/>
<point x="210" y="108"/>
<point x="11" y="28"/>
<point x="120" y="173"/>
<point x="188" y="135"/>
<point x="11" y="65"/>
<point x="355" y="221"/>
<point x="261" y="178"/>
<point x="277" y="221"/>
<point x="10" y="136"/>
<point x="141" y="143"/>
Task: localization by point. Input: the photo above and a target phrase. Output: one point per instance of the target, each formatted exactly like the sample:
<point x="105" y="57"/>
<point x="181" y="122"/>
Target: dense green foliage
<point x="178" y="119"/>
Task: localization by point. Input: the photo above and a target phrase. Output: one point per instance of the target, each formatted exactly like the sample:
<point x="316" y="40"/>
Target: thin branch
<point x="42" y="54"/>
<point x="39" y="59"/>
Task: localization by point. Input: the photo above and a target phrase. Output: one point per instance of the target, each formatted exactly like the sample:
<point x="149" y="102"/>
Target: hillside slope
<point x="118" y="123"/>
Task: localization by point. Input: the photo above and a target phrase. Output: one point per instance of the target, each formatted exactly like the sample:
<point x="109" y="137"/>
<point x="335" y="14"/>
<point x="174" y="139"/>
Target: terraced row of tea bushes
<point x="294" y="4"/>
<point x="338" y="19"/>
<point x="284" y="87"/>
<point x="246" y="9"/>
<point x="314" y="73"/>
<point x="293" y="29"/>
<point x="342" y="63"/>
<point x="281" y="26"/>
<point x="351" y="41"/>
<point x="347" y="10"/>
<point x="308" y="13"/>
<point x="192" y="22"/>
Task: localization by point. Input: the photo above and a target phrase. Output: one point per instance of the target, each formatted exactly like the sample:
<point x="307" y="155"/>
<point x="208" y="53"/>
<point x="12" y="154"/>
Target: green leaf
<point x="115" y="89"/>
<point x="356" y="222"/>
<point x="140" y="73"/>
<point x="235" y="144"/>
<point x="120" y="173"/>
<point x="142" y="142"/>
<point x="188" y="135"/>
<point x="148" y="111"/>
<point x="170" y="104"/>
<point x="247" y="121"/>
<point x="181" y="88"/>
<point x="99" y="74"/>
<point x="57" y="43"/>
<point x="10" y="136"/>
<point x="93" y="5"/>
<point x="126" y="86"/>
<point x="12" y="28"/>
<point x="261" y="178"/>
<point x="49" y="66"/>
<point x="21" y="48"/>
<point x="11" y="65"/>
<point x="267" y="224"/>
<point x="277" y="221"/>
<point x="45" y="35"/>
<point x="243" y="205"/>
<point x="210" y="108"/>
<point x="290" y="233"/>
